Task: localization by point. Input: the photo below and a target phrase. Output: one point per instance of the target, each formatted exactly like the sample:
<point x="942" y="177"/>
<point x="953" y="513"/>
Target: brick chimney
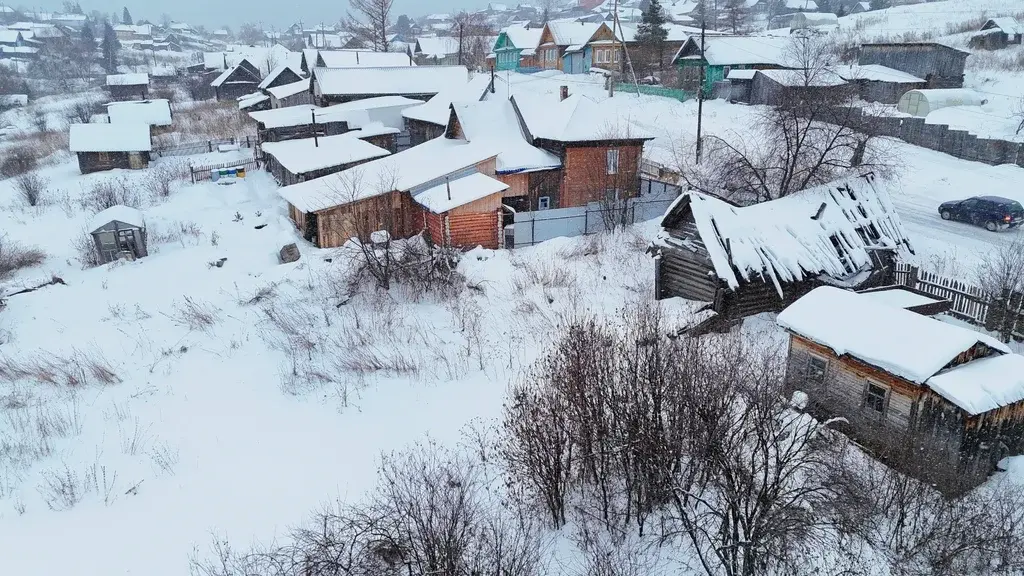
<point x="563" y="92"/>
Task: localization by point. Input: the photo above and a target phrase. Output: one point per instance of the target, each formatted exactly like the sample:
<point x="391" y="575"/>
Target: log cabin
<point x="938" y="401"/>
<point x="430" y="119"/>
<point x="236" y="81"/>
<point x="294" y="161"/>
<point x="128" y="86"/>
<point x="108" y="146"/>
<point x="303" y="120"/>
<point x="752" y="259"/>
<point x="339" y="85"/>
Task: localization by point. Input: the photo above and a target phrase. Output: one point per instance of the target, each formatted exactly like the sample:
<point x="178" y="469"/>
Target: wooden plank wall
<point x="474" y="229"/>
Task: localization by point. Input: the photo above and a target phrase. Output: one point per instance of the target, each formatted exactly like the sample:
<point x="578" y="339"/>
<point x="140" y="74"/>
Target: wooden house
<point x="877" y="83"/>
<point x="293" y="94"/>
<point x="438" y="50"/>
<point x="362" y="59"/>
<point x="598" y="150"/>
<point x="119" y="232"/>
<point x="998" y="33"/>
<point x="294" y="161"/>
<point x="782" y="87"/>
<point x="723" y="54"/>
<point x="109" y="146"/>
<point x="279" y="76"/>
<point x="677" y="35"/>
<point x="339" y="85"/>
<point x="461" y="207"/>
<point x="430" y="119"/>
<point x="238" y="80"/>
<point x="128" y="86"/>
<point x="516" y="48"/>
<point x="747" y="260"/>
<point x="154" y="113"/>
<point x="939" y="65"/>
<point x="376" y="116"/>
<point x="563" y="45"/>
<point x="941" y="402"/>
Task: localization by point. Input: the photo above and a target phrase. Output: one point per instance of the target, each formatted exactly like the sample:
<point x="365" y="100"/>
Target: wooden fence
<point x="203" y="147"/>
<point x="1004" y="315"/>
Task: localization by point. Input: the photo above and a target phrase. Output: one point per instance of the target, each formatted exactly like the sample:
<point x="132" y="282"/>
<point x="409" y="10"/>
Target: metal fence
<point x="662" y="91"/>
<point x="203" y="147"/>
<point x="534" y="227"/>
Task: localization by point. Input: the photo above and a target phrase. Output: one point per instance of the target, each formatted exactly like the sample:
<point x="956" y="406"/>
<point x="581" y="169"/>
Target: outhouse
<point x="119" y="232"/>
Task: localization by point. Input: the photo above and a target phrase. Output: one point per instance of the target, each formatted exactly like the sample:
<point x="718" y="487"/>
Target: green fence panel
<point x="673" y="93"/>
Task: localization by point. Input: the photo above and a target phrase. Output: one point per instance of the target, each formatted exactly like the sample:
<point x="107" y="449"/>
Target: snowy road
<point x="930" y="178"/>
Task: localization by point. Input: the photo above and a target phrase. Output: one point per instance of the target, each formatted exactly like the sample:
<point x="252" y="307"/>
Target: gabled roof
<point x="437" y="109"/>
<point x="309" y="154"/>
<point x="459" y="192"/>
<point x="416" y="166"/>
<point x="239" y="68"/>
<point x="524" y="38"/>
<point x="436" y="47"/>
<point x="573" y="33"/>
<point x="10" y="36"/>
<point x="149" y="112"/>
<point x="387" y="81"/>
<point x="737" y="50"/>
<point x="286" y="90"/>
<point x="128" y="79"/>
<point x="910" y="345"/>
<point x="876" y="73"/>
<point x="1007" y="24"/>
<point x="824" y="77"/>
<point x="575" y="119"/>
<point x="275" y="73"/>
<point x="119" y="213"/>
<point x="828" y="230"/>
<point x="363" y="58"/>
<point x="109" y="138"/>
<point x="494" y="123"/>
<point x="303" y="114"/>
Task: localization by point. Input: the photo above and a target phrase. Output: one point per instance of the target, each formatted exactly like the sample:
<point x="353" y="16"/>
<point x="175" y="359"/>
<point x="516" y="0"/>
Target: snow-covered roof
<point x="437" y="109"/>
<point x="676" y="33"/>
<point x="904" y="343"/>
<point x="459" y="192"/>
<point x="223" y="77"/>
<point x="140" y="79"/>
<point x="982" y="385"/>
<point x="820" y="78"/>
<point x="309" y="154"/>
<point x="738" y="74"/>
<point x="815" y="19"/>
<point x="363" y="58"/>
<point x="821" y="230"/>
<point x="388" y="81"/>
<point x="119" y="213"/>
<point x="804" y="5"/>
<point x="286" y="90"/>
<point x="250" y="100"/>
<point x="575" y="119"/>
<point x="149" y="112"/>
<point x="494" y="123"/>
<point x="407" y="169"/>
<point x="876" y="73"/>
<point x="371" y="129"/>
<point x="110" y="138"/>
<point x="1007" y="24"/>
<point x="899" y="298"/>
<point x="10" y="36"/>
<point x="524" y="38"/>
<point x="437" y="47"/>
<point x="300" y="115"/>
<point x="573" y="33"/>
<point x="742" y="50"/>
<point x="274" y="74"/>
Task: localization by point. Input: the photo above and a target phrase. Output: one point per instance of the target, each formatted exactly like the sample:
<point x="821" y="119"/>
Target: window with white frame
<point x="612" y="161"/>
<point x="615" y="56"/>
<point x="875" y="396"/>
<point x="543" y="203"/>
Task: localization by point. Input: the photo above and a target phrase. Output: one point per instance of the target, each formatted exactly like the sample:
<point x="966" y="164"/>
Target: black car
<point x="992" y="212"/>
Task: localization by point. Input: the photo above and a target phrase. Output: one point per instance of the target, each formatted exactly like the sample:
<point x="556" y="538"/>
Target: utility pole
<point x="618" y="34"/>
<point x="700" y="90"/>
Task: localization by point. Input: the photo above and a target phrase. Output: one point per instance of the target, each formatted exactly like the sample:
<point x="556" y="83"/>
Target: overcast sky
<point x="280" y="13"/>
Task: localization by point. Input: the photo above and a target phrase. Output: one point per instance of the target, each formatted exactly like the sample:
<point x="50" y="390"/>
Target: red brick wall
<point x="585" y="174"/>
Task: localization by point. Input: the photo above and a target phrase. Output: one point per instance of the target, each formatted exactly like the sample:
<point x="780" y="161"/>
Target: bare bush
<point x="206" y="121"/>
<point x="18" y="160"/>
<point x="14" y="257"/>
<point x="82" y="111"/>
<point x="134" y="438"/>
<point x="61" y="489"/>
<point x="85" y="250"/>
<point x="160" y="179"/>
<point x="112" y="191"/>
<point x="31" y="187"/>
<point x="431" y="513"/>
<point x="165" y="458"/>
<point x="73" y="369"/>
<point x="1000" y="275"/>
<point x="195" y="315"/>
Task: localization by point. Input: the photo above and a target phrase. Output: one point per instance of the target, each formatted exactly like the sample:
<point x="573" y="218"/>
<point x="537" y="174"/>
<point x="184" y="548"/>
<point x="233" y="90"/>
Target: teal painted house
<point x="724" y="53"/>
<point x="516" y="48"/>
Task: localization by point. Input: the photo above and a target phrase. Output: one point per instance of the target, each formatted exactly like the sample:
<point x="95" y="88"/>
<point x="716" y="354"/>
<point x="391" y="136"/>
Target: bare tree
<point x="1018" y="114"/>
<point x="1000" y="275"/>
<point x="468" y="28"/>
<point x="736" y="15"/>
<point x="371" y="22"/>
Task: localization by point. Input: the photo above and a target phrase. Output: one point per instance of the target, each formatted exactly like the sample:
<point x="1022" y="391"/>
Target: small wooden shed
<point x="998" y="33"/>
<point x="119" y="232"/>
<point x="109" y="146"/>
<point x="128" y="86"/>
<point x="463" y="212"/>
